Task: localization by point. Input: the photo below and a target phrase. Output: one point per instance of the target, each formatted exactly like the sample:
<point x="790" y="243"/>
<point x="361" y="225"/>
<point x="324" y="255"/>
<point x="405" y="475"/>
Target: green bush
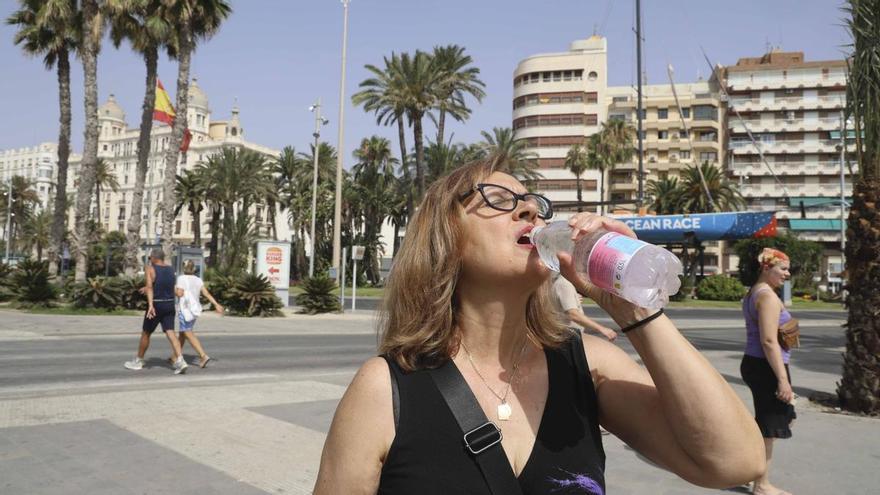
<point x="6" y="285"/>
<point x="317" y="296"/>
<point x="720" y="288"/>
<point x="98" y="292"/>
<point x="220" y="285"/>
<point x="130" y="292"/>
<point x="253" y="295"/>
<point x="31" y="286"/>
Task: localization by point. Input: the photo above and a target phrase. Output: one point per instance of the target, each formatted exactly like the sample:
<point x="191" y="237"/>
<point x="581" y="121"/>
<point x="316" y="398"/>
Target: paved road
<point x="72" y="420"/>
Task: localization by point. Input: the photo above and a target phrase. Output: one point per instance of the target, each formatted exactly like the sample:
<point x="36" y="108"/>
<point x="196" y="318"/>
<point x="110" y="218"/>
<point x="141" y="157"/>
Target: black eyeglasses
<point x="503" y="199"/>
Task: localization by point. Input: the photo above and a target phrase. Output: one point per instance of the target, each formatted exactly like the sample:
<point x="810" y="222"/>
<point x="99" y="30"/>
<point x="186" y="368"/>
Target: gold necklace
<point x="504" y="409"/>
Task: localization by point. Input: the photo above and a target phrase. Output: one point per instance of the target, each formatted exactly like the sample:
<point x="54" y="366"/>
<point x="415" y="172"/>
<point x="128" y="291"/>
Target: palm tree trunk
<point x="135" y="216"/>
<point x="441" y="126"/>
<point x="579" y="194"/>
<point x="857" y="388"/>
<point x="59" y="214"/>
<point x="396" y="236"/>
<point x="186" y="44"/>
<point x="420" y="156"/>
<point x="602" y="191"/>
<point x="89" y="55"/>
<point x="215" y="231"/>
<point x="197" y="226"/>
<point x="401" y="136"/>
<point x="98" y="204"/>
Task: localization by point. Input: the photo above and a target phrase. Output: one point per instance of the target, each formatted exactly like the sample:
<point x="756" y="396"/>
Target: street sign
<point x="357" y="252"/>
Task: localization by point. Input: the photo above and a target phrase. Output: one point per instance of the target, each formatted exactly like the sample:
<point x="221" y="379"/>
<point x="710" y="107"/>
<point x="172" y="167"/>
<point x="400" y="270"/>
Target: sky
<point x="276" y="57"/>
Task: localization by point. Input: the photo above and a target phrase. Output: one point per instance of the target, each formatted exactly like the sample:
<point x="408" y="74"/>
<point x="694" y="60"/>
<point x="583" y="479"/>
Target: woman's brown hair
<point x="417" y="319"/>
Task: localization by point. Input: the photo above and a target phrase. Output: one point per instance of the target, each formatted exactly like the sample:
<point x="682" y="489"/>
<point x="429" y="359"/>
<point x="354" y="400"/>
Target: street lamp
<point x="319" y="121"/>
<point x="9" y="216"/>
<point x="337" y="210"/>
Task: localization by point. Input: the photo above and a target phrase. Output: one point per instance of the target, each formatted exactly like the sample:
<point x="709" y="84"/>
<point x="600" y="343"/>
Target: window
<point x="644" y="113"/>
<point x="617" y="116"/>
<point x="547" y="76"/>
<point x="662" y="113"/>
<point x="662" y="134"/>
<point x="557" y="76"/>
<point x="591" y="97"/>
<point x="683" y="134"/>
<point x="709" y="136"/>
<point x="684" y="154"/>
<point x="592" y="76"/>
<point x="705" y="112"/>
<point x="686" y="112"/>
<point x="177" y="227"/>
<point x="591" y="119"/>
<point x="708" y="156"/>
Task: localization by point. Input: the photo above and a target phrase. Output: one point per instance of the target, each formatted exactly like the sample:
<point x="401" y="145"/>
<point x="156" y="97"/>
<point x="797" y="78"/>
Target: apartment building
<point x="558" y="101"/>
<point x="38" y="164"/>
<point x="117" y="145"/>
<point x="793" y="110"/>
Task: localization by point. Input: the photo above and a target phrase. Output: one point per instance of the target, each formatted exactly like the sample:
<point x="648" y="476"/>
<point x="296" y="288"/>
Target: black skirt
<point x="774" y="417"/>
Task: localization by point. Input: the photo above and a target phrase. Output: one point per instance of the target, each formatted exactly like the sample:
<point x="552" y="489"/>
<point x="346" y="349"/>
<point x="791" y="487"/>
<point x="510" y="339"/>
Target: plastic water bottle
<point x="643" y="274"/>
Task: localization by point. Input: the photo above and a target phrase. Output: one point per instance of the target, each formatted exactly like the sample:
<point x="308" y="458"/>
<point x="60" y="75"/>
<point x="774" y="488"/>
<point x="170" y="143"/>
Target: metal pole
<point x="342" y="286"/>
<point x="315" y="152"/>
<point x="340" y="145"/>
<point x="842" y="197"/>
<point x="639" y="97"/>
<point x="8" y="221"/>
<point x="354" y="285"/>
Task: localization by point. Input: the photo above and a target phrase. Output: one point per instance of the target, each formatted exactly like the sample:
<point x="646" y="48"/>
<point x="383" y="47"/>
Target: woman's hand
<point x="784" y="392"/>
<point x="219" y="309"/>
<point x="583" y="224"/>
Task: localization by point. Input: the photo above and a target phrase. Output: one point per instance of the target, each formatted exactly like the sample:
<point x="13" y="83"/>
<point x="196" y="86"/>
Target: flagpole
<point x="340" y="152"/>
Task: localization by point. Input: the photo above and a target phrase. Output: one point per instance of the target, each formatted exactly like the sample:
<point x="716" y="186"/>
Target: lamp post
<point x="319" y="121"/>
<point x="8" y="220"/>
<point x="337" y="209"/>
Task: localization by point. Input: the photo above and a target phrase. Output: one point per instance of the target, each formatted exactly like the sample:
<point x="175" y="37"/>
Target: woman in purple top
<point x="764" y="367"/>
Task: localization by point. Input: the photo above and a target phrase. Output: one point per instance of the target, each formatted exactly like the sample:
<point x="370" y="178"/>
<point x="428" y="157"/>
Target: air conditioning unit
<point x="652" y="159"/>
<point x="673" y="158"/>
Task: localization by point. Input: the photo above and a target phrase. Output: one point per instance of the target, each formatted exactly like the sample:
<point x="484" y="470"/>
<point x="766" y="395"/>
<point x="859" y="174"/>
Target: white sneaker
<point x="135" y="364"/>
<point x="180" y="366"/>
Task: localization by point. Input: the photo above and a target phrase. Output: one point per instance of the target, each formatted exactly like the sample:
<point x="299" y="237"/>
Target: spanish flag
<point x="163" y="111"/>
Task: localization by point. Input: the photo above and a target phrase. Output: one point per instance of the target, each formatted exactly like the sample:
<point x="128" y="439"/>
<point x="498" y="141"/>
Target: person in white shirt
<point x="568" y="302"/>
<point x="188" y="289"/>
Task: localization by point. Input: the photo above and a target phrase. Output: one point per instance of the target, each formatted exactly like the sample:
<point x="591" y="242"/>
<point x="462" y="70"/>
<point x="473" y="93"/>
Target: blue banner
<point x="703" y="226"/>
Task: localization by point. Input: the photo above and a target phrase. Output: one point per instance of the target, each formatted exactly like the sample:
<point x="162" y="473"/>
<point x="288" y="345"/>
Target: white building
<point x="117" y="145"/>
<point x="39" y="164"/>
<point x="558" y="101"/>
<point x="793" y="110"/>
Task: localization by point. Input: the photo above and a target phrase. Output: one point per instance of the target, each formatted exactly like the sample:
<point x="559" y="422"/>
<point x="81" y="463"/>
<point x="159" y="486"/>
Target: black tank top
<point x="427" y="456"/>
<point x="163" y="284"/>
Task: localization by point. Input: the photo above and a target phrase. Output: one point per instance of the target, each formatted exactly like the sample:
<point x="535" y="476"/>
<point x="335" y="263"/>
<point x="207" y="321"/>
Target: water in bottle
<point x="641" y="273"/>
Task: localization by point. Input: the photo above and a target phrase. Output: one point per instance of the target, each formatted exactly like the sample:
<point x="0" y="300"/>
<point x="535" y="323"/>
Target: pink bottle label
<point x="608" y="260"/>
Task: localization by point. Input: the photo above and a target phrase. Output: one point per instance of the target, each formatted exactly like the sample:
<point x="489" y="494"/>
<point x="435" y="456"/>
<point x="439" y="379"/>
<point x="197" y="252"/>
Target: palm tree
<point x="576" y="162"/>
<point x="324" y="204"/>
<point x="664" y="194"/>
<point x="510" y="154"/>
<point x="419" y="88"/>
<point x="190" y="20"/>
<point x="51" y="28"/>
<point x="219" y="175"/>
<point x="24" y="201"/>
<point x="616" y="143"/>
<point x="597" y="159"/>
<point x="190" y="193"/>
<point x="458" y="78"/>
<point x="104" y="177"/>
<point x="37" y="231"/>
<point x="692" y="196"/>
<point x="859" y="388"/>
<point x="141" y="22"/>
<point x="383" y="95"/>
<point x="293" y="179"/>
<point x="373" y="185"/>
<point x="91" y="42"/>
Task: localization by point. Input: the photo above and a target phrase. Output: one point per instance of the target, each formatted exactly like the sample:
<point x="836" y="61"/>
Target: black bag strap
<point x="481" y="437"/>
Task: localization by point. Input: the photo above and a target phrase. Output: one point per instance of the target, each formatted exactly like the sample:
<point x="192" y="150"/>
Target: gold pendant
<point x="504" y="411"/>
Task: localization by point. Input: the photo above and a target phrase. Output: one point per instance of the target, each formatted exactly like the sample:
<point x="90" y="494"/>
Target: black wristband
<point x="642" y="322"/>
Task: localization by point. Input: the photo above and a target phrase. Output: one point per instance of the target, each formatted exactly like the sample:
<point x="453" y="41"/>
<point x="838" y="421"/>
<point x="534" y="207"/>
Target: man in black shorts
<point x="160" y="310"/>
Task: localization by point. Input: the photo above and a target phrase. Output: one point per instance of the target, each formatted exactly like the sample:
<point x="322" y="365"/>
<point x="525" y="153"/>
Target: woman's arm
<point x="677" y="410"/>
<point x="578" y="316"/>
<point x="217" y="307"/>
<point x="769" y="307"/>
<point x="360" y="435"/>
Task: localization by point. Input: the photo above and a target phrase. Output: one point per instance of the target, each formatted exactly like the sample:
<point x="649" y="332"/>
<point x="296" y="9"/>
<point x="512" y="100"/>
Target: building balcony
<point x="556" y="130"/>
<point x="790" y="82"/>
<point x="786" y="103"/>
<point x="550" y="108"/>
